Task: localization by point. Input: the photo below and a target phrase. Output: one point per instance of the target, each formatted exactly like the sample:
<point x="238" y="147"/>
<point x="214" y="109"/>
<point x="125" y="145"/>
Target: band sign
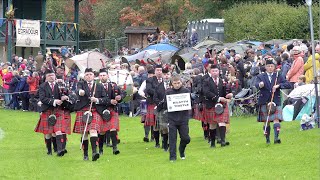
<point x="178" y="102"/>
<point x="28" y="33"/>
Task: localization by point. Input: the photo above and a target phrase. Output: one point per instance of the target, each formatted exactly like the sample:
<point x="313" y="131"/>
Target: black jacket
<point x="47" y="97"/>
<point x="212" y="92"/>
<point x="84" y="101"/>
<point x="151" y="84"/>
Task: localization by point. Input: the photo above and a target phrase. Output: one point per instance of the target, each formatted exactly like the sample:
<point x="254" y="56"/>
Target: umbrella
<point x="162" y="47"/>
<point x="276" y="41"/>
<point x="141" y="55"/>
<point x="89" y="59"/>
<point x="305" y="90"/>
<point x="208" y="43"/>
<point x="165" y="56"/>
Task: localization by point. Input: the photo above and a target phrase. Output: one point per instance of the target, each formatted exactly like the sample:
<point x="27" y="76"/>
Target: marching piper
<point x="54" y="118"/>
<point x="151" y="84"/>
<point x="161" y="114"/>
<point x="269" y="101"/>
<point x="92" y="100"/>
<point x="110" y="124"/>
<point x="215" y="99"/>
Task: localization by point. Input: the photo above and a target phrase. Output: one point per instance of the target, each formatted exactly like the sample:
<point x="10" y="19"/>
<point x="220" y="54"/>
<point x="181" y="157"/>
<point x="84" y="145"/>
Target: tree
<point x="167" y="14"/>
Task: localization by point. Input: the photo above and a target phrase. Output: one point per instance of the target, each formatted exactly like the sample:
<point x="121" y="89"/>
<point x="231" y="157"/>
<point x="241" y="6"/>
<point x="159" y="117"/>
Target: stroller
<point x="307" y="122"/>
<point x="245" y="103"/>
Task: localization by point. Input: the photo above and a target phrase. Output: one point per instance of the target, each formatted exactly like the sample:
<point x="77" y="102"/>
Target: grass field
<point x="23" y="154"/>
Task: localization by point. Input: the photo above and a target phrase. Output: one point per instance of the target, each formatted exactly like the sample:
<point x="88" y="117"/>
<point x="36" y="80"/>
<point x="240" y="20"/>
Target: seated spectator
<point x="301" y="81"/>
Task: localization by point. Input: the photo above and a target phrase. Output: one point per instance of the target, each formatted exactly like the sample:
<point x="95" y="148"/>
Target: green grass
<point x="23" y="154"/>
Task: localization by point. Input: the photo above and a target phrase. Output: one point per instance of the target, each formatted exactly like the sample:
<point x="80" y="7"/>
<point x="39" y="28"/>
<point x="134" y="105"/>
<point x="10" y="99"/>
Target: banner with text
<point x="178" y="102"/>
<point x="28" y="33"/>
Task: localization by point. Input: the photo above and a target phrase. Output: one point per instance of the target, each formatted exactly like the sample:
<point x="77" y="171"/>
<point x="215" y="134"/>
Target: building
<point x="137" y="35"/>
<point x="51" y="33"/>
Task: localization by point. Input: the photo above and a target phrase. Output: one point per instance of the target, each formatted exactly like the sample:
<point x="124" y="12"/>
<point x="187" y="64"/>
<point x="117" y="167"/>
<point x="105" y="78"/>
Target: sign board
<point x="28" y="33"/>
<point x="178" y="102"/>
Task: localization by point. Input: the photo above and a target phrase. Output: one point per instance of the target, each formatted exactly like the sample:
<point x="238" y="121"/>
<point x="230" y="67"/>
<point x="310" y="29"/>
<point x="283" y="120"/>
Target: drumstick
<point x="85" y="127"/>
<point x="272" y="96"/>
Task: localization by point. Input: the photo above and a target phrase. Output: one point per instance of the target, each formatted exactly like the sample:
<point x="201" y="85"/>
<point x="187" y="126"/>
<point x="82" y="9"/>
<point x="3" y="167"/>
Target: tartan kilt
<point x="211" y="117"/>
<point x="63" y="122"/>
<point x="79" y="126"/>
<point x="150" y="117"/>
<point x="263" y="114"/>
<point x="112" y="124"/>
<point x="198" y="115"/>
<point x="162" y="120"/>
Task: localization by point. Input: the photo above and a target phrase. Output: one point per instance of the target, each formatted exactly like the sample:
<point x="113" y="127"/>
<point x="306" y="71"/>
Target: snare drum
<point x="143" y="107"/>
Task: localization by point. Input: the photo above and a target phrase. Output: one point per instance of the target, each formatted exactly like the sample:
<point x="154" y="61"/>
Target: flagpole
<point x="309" y="3"/>
<point x="9" y="37"/>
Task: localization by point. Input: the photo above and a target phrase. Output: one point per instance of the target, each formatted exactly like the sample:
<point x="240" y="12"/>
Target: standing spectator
<point x="240" y="69"/>
<point x="33" y="82"/>
<point x="24" y="86"/>
<point x="194" y="38"/>
<point x="296" y="69"/>
<point x="13" y="88"/>
<point x="308" y="66"/>
<point x="6" y="78"/>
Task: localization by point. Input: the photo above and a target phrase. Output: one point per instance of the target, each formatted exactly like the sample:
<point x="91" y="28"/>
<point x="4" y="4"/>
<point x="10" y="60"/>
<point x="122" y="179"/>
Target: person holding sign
<point x="178" y="103"/>
<point x="215" y="99"/>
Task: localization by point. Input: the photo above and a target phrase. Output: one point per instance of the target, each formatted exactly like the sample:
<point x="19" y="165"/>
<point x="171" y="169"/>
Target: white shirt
<point x="142" y="88"/>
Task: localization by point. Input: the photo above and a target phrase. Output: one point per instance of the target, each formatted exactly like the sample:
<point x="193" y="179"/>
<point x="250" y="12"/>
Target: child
<point x="178" y="120"/>
<point x="301" y="81"/>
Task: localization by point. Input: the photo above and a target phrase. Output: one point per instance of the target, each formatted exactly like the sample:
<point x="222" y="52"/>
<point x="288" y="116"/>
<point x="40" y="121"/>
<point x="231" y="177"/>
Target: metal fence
<point x="114" y="45"/>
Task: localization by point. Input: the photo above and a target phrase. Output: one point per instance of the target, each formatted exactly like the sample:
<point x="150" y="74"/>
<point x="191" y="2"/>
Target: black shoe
<point x="60" y="154"/>
<point x="116" y="151"/>
<point x="118" y="141"/>
<point x="85" y="158"/>
<point x="101" y="152"/>
<point x="227" y="143"/>
<point x="165" y="149"/>
<point x="145" y="139"/>
<point x="277" y="141"/>
<point x="157" y="146"/>
<point x="49" y="153"/>
<point x="65" y="151"/>
<point x="212" y="145"/>
<point x="95" y="156"/>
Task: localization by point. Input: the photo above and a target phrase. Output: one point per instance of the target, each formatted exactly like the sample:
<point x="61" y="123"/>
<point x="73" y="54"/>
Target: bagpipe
<point x="65" y="90"/>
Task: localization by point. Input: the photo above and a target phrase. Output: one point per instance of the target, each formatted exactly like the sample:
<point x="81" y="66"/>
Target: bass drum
<point x="123" y="79"/>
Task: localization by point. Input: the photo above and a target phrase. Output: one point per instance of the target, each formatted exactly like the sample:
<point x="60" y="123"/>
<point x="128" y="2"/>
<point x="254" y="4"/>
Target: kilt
<point x="94" y="125"/>
<point x="162" y="120"/>
<point x="112" y="124"/>
<point x="263" y="114"/>
<point x="63" y="123"/>
<point x="150" y="117"/>
<point x="211" y="117"/>
<point x="198" y="115"/>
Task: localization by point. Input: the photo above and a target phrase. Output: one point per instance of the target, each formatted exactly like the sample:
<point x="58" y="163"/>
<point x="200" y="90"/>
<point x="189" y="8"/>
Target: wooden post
<point x="76" y="20"/>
